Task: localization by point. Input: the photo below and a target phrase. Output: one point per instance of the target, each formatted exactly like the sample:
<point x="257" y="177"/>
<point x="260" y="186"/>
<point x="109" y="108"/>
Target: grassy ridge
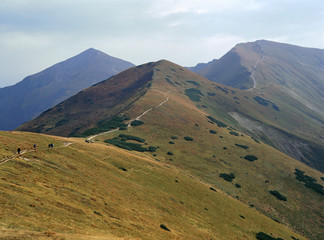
<point x="94" y="191"/>
<point x="211" y="154"/>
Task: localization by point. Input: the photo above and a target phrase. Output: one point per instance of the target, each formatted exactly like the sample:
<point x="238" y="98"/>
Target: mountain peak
<point x="38" y="92"/>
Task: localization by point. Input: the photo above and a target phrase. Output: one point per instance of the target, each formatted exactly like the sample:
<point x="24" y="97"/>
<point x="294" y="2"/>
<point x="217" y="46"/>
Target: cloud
<point x="163" y="8"/>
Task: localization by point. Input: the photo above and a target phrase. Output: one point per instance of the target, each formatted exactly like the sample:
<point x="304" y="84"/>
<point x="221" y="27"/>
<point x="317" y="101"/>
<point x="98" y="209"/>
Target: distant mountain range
<point x="291" y="126"/>
<point x="214" y="134"/>
<point x="264" y="65"/>
<point x="36" y="93"/>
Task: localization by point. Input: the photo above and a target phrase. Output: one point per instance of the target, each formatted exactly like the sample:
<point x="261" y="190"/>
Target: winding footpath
<point x="7" y="159"/>
<point x="136" y="118"/>
<point x="256" y="65"/>
<point x="66" y="144"/>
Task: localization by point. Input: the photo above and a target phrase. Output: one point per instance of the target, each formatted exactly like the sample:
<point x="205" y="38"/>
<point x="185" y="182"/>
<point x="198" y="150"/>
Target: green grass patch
<point x="106" y="125"/>
<point x="125" y="137"/>
<point x="194" y="94"/>
<point x="125" y="145"/>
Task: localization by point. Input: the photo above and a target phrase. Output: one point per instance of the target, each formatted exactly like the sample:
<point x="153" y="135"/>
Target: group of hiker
<point x="50" y="145"/>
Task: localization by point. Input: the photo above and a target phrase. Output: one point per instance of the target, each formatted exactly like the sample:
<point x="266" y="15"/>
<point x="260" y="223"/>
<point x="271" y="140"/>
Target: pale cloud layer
<point x="36" y="34"/>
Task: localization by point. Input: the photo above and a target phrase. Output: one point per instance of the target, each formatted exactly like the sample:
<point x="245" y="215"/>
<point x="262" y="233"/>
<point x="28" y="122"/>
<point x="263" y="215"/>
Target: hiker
<point x="18" y="151"/>
<point x="35" y="146"/>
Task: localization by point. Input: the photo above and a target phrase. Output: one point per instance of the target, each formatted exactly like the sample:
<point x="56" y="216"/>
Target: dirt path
<point x="256" y="65"/>
<point x="136" y="118"/>
<point x="7" y="159"/>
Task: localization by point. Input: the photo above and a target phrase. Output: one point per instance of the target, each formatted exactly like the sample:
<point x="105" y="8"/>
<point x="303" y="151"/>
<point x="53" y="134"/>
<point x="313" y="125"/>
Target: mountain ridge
<point x="36" y="93"/>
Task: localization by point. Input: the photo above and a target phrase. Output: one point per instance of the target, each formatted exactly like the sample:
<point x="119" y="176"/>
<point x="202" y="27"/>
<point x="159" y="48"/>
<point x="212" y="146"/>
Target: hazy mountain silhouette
<point x="36" y="93"/>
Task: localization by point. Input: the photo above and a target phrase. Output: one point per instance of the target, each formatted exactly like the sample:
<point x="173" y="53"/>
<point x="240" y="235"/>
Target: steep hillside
<point x="186" y="121"/>
<point x="36" y="93"/>
<point x="273" y="121"/>
<point x="297" y="71"/>
<point x="92" y="191"/>
<point x="289" y="76"/>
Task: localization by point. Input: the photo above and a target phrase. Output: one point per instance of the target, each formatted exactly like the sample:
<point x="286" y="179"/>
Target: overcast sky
<point x="35" y="34"/>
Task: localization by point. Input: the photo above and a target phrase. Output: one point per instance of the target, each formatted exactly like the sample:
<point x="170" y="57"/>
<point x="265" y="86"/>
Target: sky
<point x="36" y="34"/>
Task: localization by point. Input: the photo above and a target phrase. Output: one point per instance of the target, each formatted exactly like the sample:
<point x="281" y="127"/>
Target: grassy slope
<point x="206" y="159"/>
<point x="80" y="192"/>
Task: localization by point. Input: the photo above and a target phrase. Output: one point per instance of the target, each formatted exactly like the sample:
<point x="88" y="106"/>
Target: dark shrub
<point x="227" y="177"/>
<point x="278" y="195"/>
<point x="171" y="142"/>
<point x="174" y="137"/>
<point x="194" y="94"/>
<point x="136" y="123"/>
<point x="241" y="146"/>
<point x="188" y="138"/>
<point x="264" y="236"/>
<point x="211" y="94"/>
<point x="125" y="137"/>
<point x="212" y="131"/>
<point x="61" y="122"/>
<point x="152" y="149"/>
<point x="123" y="169"/>
<point x="309" y="181"/>
<point x="98" y="213"/>
<point x="194" y="83"/>
<point x="123" y="128"/>
<point x="106" y="125"/>
<point x="219" y="123"/>
<point x="250" y="158"/>
<point x="126" y="145"/>
<point x="237" y="185"/>
<point x="234" y="133"/>
<point x="213" y="189"/>
<point x="170" y="153"/>
<point x="164" y="227"/>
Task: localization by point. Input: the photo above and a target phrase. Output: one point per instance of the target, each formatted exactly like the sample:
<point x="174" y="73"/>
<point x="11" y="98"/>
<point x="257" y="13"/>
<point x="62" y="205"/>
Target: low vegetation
<point x="219" y="123"/>
<point x="126" y="145"/>
<point x="213" y="132"/>
<point x="125" y="137"/>
<point x="188" y="138"/>
<point x="164" y="227"/>
<point x="241" y="146"/>
<point x="266" y="103"/>
<point x="227" y="177"/>
<point x="264" y="236"/>
<point x="309" y="181"/>
<point x="136" y="123"/>
<point x="106" y="125"/>
<point x="250" y="158"/>
<point x="194" y="94"/>
<point x="234" y="133"/>
<point x="278" y="195"/>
